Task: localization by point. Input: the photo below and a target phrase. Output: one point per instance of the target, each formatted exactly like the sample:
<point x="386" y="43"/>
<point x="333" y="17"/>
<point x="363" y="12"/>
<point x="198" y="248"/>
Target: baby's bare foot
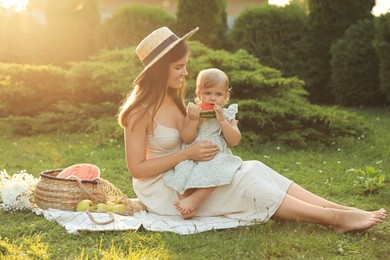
<point x="186" y="207"/>
<point x="353" y="220"/>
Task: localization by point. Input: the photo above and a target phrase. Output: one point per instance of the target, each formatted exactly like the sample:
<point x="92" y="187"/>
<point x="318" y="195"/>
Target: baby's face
<point x="214" y="95"/>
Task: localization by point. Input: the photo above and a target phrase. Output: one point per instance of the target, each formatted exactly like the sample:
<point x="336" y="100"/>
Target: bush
<point x="328" y="21"/>
<point x="209" y="15"/>
<point x="275" y="35"/>
<point x="355" y="67"/>
<point x="382" y="47"/>
<point x="130" y="25"/>
<point x="271" y="107"/>
<point x="104" y="77"/>
<point x="30" y="90"/>
<point x="15" y="31"/>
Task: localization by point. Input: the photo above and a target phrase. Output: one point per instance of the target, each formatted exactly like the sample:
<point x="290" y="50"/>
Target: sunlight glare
<point x="16" y="5"/>
<point x="381" y="7"/>
<point x="278" y="2"/>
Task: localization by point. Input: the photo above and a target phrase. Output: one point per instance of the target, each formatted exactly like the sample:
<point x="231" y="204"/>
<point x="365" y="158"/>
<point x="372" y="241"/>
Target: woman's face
<point x="177" y="73"/>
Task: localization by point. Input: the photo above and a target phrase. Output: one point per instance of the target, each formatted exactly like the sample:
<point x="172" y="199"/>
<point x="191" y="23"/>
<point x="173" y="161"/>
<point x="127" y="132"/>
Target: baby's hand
<point x="193" y="112"/>
<point x="218" y="113"/>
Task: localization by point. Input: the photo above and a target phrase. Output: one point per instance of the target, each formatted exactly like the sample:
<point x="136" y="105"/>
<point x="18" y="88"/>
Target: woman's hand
<point x="201" y="151"/>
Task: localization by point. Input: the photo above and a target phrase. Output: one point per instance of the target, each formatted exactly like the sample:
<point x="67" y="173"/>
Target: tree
<point x="355" y="67"/>
<point x="329" y="20"/>
<point x="275" y="35"/>
<point x="382" y="47"/>
<point x="131" y="24"/>
<point x="70" y="29"/>
<point x="209" y="15"/>
<point x="20" y="39"/>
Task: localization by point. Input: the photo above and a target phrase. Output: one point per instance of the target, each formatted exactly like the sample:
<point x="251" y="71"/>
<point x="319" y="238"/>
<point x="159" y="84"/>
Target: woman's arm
<point x="136" y="148"/>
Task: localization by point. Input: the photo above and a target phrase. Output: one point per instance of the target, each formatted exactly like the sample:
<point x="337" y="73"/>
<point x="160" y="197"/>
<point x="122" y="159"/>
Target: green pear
<point x="85" y="205"/>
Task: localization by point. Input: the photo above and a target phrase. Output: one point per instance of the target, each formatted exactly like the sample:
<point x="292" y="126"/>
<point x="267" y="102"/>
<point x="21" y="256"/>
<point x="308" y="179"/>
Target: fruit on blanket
<point x="115" y="205"/>
<point x="117" y="200"/>
<point x="110" y="206"/>
<point x="207" y="110"/>
<point x="101" y="207"/>
<point x="119" y="208"/>
<point x="85" y="205"/>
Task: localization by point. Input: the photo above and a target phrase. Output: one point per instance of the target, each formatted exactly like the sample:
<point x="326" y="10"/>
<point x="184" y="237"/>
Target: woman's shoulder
<point x="138" y="114"/>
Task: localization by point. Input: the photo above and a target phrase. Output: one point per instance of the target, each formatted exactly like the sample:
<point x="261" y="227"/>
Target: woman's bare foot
<point x="353" y="220"/>
<point x="186" y="207"/>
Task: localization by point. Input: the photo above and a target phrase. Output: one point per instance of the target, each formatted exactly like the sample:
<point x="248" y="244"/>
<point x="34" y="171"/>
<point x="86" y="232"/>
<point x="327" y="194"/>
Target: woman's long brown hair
<point x="151" y="89"/>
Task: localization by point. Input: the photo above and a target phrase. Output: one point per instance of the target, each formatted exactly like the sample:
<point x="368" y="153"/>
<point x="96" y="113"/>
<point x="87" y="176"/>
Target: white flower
<point x="16" y="191"/>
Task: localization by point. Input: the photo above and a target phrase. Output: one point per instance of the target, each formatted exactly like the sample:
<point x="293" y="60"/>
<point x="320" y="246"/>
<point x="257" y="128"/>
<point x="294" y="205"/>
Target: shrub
<point x="382" y="47"/>
<point x="209" y="15"/>
<point x="103" y="77"/>
<point x="70" y="30"/>
<point x="272" y="107"/>
<point x="328" y="21"/>
<point x="31" y="90"/>
<point x="275" y="35"/>
<point x="355" y="67"/>
<point x="15" y="31"/>
<point x="130" y="25"/>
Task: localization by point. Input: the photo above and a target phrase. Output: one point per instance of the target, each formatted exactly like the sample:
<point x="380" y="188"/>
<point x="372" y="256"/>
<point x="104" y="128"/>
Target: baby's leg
<point x="186" y="194"/>
<point x="188" y="205"/>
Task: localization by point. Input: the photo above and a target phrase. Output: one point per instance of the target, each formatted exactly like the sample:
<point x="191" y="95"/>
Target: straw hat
<point x="157" y="44"/>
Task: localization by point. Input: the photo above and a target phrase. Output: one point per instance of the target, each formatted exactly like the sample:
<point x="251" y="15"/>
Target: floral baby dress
<point x="216" y="172"/>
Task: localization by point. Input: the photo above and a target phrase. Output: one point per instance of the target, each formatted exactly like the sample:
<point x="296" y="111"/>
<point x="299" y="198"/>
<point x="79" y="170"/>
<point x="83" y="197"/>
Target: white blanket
<point x="77" y="221"/>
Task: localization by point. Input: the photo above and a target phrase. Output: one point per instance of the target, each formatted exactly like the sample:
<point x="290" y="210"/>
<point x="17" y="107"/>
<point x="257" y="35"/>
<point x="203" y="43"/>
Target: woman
<point x="152" y="117"/>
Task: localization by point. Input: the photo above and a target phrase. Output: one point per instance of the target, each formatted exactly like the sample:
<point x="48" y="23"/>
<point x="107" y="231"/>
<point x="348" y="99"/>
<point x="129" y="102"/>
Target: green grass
<point x="23" y="235"/>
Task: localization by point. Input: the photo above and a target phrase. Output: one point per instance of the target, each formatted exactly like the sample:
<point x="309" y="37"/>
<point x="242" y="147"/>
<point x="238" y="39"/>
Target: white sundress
<point x="254" y="194"/>
<point x="216" y="172"/>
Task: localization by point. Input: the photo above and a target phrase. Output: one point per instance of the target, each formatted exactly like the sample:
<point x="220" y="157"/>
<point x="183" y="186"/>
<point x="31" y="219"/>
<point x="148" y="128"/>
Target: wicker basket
<point x="65" y="194"/>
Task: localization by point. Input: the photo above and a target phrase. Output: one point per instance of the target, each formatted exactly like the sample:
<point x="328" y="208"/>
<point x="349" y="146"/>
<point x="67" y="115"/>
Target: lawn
<point x="23" y="235"/>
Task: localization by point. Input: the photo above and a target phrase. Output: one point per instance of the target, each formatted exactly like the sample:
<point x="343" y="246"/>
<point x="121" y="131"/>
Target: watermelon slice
<point x="206" y="107"/>
<point x="207" y="110"/>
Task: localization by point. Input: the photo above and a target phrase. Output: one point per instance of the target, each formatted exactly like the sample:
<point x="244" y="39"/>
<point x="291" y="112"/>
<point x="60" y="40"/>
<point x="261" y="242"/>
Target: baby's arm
<point x="190" y="127"/>
<point x="230" y="130"/>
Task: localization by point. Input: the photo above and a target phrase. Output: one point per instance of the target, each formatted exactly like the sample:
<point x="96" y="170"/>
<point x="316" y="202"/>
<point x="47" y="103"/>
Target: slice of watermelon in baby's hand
<point x="207" y="110"/>
<point x="206" y="107"/>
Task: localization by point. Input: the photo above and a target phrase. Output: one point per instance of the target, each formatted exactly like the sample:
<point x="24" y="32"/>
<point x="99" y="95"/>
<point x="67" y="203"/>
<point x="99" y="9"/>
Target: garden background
<point x="313" y="88"/>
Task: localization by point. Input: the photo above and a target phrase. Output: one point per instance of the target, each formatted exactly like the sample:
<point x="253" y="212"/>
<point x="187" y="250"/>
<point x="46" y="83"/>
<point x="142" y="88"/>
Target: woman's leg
<point x="342" y="220"/>
<point x="298" y="192"/>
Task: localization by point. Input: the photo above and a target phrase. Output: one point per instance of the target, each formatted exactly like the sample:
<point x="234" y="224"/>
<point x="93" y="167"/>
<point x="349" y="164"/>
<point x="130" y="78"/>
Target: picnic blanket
<point x="73" y="222"/>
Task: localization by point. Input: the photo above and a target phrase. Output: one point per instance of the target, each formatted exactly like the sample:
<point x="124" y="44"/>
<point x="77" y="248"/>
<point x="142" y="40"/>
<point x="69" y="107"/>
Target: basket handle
<point x="81" y="186"/>
<point x="112" y="219"/>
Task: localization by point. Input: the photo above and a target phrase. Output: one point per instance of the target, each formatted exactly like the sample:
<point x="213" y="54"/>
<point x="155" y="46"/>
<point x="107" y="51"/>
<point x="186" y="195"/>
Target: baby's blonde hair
<point x="209" y="78"/>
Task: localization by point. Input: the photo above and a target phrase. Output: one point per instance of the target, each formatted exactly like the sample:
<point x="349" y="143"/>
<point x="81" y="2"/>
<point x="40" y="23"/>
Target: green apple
<point x="85" y="205"/>
<point x="101" y="207"/>
<point x="120" y="208"/>
<point x="118" y="200"/>
<point x="110" y="206"/>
